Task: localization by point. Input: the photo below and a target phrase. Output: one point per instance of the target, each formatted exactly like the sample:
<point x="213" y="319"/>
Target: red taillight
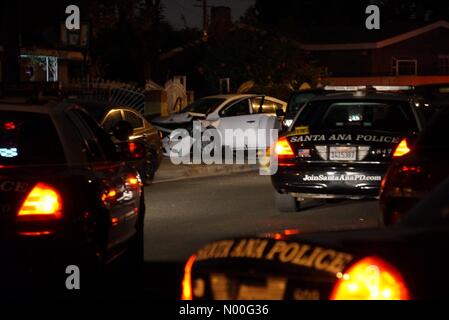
<point x="283" y="149"/>
<point x="402" y="149"/>
<point x="9" y="126"/>
<point x="187" y="281"/>
<point x="134" y="181"/>
<point x="370" y="279"/>
<point x="136" y="150"/>
<point x="43" y="203"/>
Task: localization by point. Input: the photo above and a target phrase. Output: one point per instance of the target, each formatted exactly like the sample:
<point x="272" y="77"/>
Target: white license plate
<point x="343" y="153"/>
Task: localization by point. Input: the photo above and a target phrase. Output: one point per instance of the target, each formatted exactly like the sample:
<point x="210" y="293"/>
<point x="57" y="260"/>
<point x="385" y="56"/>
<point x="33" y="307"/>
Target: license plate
<point x="343" y="153"/>
<point x="229" y="288"/>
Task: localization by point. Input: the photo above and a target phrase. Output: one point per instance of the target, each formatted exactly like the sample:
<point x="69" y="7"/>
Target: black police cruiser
<point x="67" y="197"/>
<point x="405" y="261"/>
<point x="340" y="146"/>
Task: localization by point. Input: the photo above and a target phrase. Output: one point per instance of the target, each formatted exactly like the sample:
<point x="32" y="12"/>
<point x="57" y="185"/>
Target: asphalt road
<point x="182" y="216"/>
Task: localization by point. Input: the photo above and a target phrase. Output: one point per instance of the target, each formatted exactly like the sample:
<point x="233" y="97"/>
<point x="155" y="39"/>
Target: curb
<point x="199" y="171"/>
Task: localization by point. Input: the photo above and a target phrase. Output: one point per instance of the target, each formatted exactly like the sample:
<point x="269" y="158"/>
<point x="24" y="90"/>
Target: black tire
<point x="150" y="168"/>
<point x="286" y="202"/>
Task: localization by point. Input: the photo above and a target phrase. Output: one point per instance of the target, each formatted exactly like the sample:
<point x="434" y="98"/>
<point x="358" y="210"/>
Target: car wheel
<point x="150" y="168"/>
<point x="286" y="202"/>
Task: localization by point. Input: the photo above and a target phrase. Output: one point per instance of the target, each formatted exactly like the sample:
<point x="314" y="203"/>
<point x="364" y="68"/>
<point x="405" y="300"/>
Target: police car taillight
<point x="283" y="149"/>
<point x="370" y="279"/>
<point x="43" y="203"/>
<point x="402" y="149"/>
<point x="187" y="281"/>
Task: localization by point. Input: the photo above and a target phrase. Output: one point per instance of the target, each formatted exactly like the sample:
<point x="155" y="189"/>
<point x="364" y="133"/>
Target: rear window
<point x="380" y="116"/>
<point x="204" y="106"/>
<point x="29" y="139"/>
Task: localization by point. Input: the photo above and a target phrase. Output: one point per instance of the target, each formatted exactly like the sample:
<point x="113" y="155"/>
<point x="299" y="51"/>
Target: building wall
<point x="345" y="63"/>
<point x="424" y="48"/>
<point x="356" y="63"/>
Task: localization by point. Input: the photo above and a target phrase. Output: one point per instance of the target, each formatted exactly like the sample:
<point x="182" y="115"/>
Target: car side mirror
<point x="122" y="130"/>
<point x="213" y="117"/>
<point x="280" y="113"/>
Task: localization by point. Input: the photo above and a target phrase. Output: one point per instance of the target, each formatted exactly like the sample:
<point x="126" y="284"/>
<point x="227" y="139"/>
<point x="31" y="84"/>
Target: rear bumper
<point x="330" y="181"/>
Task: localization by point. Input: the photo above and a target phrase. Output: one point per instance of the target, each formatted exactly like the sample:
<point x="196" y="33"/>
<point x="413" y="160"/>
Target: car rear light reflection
<point x="402" y="149"/>
<point x="187" y="281"/>
<point x="370" y="279"/>
<point x="43" y="203"/>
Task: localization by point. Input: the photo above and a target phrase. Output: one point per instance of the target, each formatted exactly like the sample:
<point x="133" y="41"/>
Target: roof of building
<point x="363" y="39"/>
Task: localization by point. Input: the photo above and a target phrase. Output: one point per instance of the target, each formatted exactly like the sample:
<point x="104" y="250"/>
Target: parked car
<point x="222" y="112"/>
<point x="402" y="262"/>
<point x="108" y="116"/>
<point x="68" y="196"/>
<point x="420" y="168"/>
<point x="340" y="146"/>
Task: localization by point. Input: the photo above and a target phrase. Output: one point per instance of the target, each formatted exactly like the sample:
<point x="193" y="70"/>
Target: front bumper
<point x="339" y="181"/>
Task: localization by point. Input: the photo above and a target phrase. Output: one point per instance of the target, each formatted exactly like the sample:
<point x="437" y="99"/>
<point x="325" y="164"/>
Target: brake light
<point x="135" y="150"/>
<point x="370" y="279"/>
<point x="42" y="203"/>
<point x="134" y="181"/>
<point x="402" y="149"/>
<point x="187" y="281"/>
<point x="283" y="149"/>
<point x="109" y="197"/>
<point x="9" y="126"/>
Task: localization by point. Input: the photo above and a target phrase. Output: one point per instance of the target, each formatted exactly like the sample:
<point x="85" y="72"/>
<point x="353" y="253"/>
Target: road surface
<point x="184" y="215"/>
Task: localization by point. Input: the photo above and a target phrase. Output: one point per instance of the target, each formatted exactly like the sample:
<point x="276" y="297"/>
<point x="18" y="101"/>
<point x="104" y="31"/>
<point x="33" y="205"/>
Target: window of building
<point x="443" y="64"/>
<point x="404" y="67"/>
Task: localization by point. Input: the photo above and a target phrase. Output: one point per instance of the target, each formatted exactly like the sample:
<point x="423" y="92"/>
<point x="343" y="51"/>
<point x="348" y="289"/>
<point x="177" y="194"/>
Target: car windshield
<point x="204" y="105"/>
<point x="28" y="139"/>
<point x="390" y="116"/>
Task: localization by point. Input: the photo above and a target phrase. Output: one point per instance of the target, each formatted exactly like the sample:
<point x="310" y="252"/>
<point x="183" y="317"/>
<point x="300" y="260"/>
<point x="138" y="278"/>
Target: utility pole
<point x="205" y="8"/>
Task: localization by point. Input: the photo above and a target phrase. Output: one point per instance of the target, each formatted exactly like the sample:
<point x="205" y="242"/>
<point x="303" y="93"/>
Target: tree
<point x="126" y="38"/>
<point x="273" y="62"/>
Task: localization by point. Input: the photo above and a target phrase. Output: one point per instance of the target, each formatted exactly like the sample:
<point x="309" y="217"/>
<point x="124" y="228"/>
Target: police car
<point x="340" y="146"/>
<point x="67" y="196"/>
<point x="406" y="261"/>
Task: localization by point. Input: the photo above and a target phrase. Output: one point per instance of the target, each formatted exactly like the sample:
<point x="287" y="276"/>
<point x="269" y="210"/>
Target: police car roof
<point x="44" y="108"/>
<point x="361" y="95"/>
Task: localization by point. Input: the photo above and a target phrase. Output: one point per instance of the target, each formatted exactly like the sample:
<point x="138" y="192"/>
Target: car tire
<point x="286" y="202"/>
<point x="150" y="168"/>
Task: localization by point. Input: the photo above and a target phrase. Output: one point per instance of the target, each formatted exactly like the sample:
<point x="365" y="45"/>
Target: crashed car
<point x="340" y="146"/>
<point x="223" y="112"/>
<point x="405" y="261"/>
<point x="421" y="166"/>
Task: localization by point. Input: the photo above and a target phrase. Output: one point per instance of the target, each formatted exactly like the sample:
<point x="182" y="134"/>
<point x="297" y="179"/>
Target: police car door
<point x="116" y="195"/>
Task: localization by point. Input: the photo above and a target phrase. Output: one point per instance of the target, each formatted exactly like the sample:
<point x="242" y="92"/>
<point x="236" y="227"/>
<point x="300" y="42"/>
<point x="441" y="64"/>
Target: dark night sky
<point x="194" y="16"/>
